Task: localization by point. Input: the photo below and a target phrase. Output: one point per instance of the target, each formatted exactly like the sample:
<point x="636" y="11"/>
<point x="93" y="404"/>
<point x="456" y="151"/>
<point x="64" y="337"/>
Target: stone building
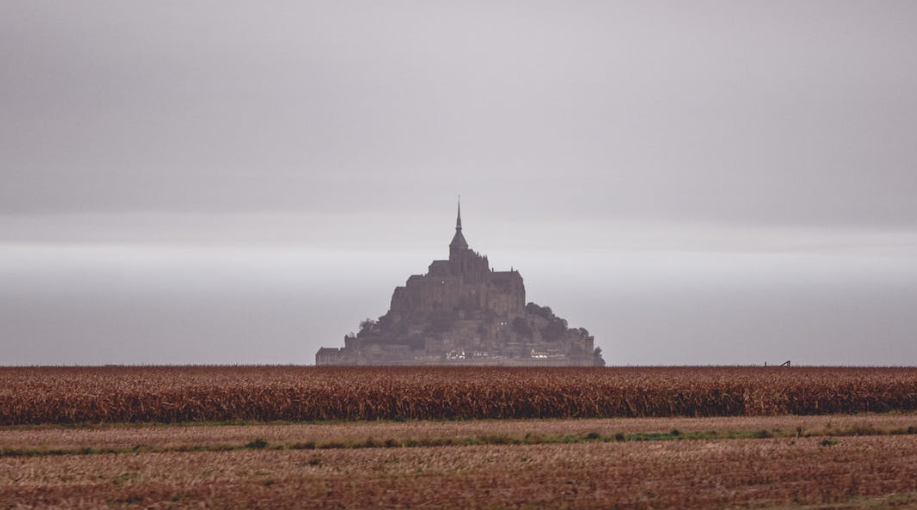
<point x="463" y="312"/>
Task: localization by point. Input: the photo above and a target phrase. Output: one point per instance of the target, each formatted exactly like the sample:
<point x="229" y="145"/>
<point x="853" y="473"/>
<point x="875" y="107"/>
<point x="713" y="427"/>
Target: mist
<point x="720" y="183"/>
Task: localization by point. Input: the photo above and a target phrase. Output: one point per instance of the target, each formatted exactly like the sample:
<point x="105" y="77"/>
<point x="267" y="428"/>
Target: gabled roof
<point x="504" y="275"/>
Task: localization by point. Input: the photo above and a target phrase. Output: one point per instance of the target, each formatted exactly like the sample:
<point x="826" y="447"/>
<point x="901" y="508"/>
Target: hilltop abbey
<point x="462" y="312"/>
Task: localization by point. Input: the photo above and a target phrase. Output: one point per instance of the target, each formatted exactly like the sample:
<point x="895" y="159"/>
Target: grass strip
<point x="480" y="440"/>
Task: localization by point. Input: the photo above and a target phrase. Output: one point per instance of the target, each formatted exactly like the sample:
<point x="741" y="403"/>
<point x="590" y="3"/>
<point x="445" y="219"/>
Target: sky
<point x="713" y="182"/>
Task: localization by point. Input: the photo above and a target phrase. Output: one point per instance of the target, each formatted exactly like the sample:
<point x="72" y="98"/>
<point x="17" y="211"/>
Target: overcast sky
<point x="242" y="182"/>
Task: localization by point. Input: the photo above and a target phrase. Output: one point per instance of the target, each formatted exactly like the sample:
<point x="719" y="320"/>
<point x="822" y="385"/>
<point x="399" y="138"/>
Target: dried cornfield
<point x="246" y="393"/>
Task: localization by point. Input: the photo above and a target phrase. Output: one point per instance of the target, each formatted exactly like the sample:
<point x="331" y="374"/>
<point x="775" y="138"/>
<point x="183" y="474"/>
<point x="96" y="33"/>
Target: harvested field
<point x="207" y="394"/>
<point x="358" y="433"/>
<point x="847" y="471"/>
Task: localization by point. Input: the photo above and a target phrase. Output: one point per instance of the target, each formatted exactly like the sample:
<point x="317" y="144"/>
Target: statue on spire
<point x="458" y="219"/>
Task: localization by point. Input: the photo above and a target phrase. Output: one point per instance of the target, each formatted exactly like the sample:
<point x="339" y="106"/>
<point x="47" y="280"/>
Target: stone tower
<point x="458" y="247"/>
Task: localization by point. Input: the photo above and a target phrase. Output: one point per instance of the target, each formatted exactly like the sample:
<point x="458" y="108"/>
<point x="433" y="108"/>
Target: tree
<point x="555" y="329"/>
<point x="597" y="359"/>
<point x="522" y="328"/>
<point x="544" y="312"/>
<point x="367" y="326"/>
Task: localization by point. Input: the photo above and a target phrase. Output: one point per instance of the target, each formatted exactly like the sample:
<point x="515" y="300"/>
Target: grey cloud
<point x="713" y="182"/>
<point x="758" y="112"/>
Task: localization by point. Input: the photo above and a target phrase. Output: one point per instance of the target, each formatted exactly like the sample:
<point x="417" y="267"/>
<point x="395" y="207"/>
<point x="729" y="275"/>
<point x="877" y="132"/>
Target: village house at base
<point x="462" y="312"/>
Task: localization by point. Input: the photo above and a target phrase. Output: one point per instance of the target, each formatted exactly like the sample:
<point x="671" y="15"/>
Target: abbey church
<point x="462" y="312"/>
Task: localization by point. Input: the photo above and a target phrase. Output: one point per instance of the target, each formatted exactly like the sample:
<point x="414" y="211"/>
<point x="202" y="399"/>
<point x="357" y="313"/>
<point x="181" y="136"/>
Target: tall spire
<point x="458" y="241"/>
<point x="458" y="219"/>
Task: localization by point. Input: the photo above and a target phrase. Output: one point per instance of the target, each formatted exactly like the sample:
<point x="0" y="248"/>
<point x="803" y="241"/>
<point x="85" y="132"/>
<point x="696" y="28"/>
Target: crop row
<point x="189" y="394"/>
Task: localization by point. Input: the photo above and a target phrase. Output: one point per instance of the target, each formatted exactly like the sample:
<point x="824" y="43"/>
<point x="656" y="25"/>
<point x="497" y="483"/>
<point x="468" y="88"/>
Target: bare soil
<point x="867" y="461"/>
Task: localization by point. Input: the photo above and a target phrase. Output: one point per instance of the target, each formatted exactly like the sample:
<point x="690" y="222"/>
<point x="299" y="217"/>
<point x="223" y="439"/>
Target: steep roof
<point x="458" y="240"/>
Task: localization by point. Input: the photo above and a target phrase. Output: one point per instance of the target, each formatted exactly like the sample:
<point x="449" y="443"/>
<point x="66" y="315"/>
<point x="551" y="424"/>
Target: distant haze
<point x="699" y="183"/>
